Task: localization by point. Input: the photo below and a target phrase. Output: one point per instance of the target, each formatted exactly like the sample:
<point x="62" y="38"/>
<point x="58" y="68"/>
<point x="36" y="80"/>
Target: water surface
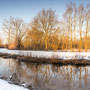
<point x="45" y="77"/>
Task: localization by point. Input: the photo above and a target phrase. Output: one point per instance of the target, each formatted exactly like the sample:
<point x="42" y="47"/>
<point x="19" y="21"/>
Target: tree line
<point x="47" y="32"/>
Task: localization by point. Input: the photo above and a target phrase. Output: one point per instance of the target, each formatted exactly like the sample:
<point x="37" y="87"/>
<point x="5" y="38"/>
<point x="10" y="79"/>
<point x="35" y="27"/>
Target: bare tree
<point x="0" y="41"/>
<point x="15" y="30"/>
<point x="8" y="27"/>
<point x="75" y="22"/>
<point x="20" y="31"/>
<point x="87" y="19"/>
<point x="47" y="22"/>
<point x="35" y="38"/>
<point x="68" y="15"/>
<point x="81" y="21"/>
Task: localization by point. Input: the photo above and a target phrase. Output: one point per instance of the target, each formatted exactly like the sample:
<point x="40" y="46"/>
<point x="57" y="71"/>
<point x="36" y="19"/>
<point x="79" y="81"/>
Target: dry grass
<point x="31" y="59"/>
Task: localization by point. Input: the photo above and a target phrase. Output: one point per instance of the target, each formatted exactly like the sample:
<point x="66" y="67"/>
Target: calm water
<point x="45" y="77"/>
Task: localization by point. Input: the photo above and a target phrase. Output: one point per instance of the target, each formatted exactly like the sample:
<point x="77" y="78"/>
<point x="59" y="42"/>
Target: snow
<point x="4" y="85"/>
<point x="49" y="54"/>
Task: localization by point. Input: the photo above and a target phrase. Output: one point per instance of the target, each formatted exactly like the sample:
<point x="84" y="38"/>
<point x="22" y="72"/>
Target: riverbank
<point x="46" y="60"/>
<point x="48" y="57"/>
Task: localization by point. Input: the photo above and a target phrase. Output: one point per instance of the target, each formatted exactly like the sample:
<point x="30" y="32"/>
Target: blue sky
<point x="27" y="9"/>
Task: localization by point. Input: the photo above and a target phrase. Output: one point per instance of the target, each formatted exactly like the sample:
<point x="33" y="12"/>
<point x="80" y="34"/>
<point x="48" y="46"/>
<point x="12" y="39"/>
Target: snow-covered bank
<point x="4" y="85"/>
<point x="49" y="54"/>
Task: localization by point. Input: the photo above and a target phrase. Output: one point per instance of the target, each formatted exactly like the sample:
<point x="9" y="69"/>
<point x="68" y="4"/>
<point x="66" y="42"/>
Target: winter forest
<point x="47" y="32"/>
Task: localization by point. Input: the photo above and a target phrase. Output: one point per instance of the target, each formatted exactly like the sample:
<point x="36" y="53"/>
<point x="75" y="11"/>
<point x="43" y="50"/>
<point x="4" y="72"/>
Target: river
<point x="45" y="76"/>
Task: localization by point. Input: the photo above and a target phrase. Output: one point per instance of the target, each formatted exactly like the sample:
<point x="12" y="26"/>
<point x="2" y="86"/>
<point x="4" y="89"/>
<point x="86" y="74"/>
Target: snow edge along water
<point x="49" y="54"/>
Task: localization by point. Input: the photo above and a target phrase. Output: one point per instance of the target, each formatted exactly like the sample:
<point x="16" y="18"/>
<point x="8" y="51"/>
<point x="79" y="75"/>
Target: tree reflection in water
<point x="46" y="77"/>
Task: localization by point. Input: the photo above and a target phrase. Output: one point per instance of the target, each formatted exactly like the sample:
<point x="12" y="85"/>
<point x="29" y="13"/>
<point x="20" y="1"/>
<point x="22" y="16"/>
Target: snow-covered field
<point x="49" y="54"/>
<point x="4" y="85"/>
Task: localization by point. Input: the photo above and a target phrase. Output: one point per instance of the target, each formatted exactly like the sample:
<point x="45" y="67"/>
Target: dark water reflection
<point x="46" y="77"/>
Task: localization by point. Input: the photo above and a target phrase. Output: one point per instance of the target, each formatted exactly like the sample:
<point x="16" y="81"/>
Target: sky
<point x="27" y="9"/>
